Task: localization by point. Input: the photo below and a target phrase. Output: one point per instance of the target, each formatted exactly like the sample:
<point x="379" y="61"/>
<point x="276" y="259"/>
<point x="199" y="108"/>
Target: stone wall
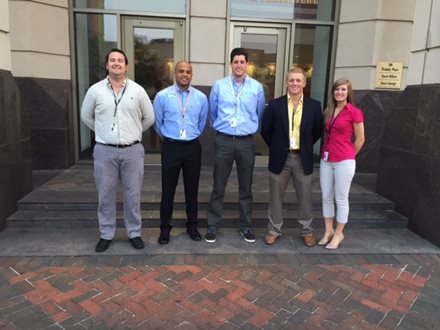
<point x="15" y="160"/>
<point x="48" y="102"/>
<point x="376" y="106"/>
<point x="409" y="159"/>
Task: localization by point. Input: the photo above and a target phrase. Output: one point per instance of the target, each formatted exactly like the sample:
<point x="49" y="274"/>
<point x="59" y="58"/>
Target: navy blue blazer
<point x="275" y="132"/>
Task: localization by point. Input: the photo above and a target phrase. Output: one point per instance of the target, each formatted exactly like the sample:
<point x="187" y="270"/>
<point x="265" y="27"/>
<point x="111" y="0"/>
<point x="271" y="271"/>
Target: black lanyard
<point x="116" y="97"/>
<point x="294" y="110"/>
<point x="332" y="123"/>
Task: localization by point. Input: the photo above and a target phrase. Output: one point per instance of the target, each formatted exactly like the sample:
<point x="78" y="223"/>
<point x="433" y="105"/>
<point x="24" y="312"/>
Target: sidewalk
<point x="378" y="279"/>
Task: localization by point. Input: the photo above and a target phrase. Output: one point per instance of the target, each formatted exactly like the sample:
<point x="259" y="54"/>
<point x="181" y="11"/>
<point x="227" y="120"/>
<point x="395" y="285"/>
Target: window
<point x="95" y="36"/>
<point x="284" y="9"/>
<point x="168" y="6"/>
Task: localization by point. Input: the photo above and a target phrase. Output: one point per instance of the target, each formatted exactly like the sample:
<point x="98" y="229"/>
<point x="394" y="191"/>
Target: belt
<point x="179" y="141"/>
<point x="235" y="136"/>
<point x="120" y="146"/>
<point x="294" y="151"/>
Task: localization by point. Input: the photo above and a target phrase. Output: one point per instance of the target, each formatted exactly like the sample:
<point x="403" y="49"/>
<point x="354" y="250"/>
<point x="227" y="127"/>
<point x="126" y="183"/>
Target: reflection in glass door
<point x="268" y="57"/>
<point x="152" y="48"/>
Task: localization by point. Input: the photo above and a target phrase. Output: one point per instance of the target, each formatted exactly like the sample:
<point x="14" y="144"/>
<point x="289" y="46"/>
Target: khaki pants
<point x="303" y="187"/>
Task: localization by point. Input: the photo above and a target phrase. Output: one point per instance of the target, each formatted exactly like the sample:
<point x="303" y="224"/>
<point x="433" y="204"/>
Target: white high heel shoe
<point x="335" y="242"/>
<point x="326" y="238"/>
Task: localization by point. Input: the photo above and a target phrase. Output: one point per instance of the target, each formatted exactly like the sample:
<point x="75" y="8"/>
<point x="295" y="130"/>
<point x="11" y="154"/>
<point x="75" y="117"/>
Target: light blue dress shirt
<point x="243" y="103"/>
<point x="169" y="117"/>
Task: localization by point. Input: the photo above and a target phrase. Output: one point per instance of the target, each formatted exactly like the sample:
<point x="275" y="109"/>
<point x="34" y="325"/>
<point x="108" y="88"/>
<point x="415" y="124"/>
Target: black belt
<point x="179" y="141"/>
<point x="120" y="146"/>
<point x="235" y="136"/>
<point x="295" y="151"/>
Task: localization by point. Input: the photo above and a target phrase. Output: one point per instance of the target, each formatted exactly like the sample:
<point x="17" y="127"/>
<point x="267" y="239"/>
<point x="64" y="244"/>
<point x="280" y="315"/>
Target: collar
<point x="109" y="84"/>
<point x="234" y="80"/>
<point x="301" y="99"/>
<point x="176" y="88"/>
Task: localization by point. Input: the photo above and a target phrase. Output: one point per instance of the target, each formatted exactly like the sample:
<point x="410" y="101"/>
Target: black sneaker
<point x="248" y="235"/>
<point x="211" y="236"/>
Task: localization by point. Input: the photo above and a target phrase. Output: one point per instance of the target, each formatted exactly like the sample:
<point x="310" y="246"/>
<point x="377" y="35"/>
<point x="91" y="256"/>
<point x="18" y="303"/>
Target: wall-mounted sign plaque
<point x="389" y="75"/>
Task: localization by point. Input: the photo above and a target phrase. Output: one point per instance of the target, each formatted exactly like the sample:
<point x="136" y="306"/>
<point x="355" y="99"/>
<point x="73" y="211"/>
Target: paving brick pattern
<point x="221" y="292"/>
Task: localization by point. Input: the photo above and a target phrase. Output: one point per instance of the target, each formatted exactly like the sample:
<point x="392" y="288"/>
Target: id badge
<point x="114" y="129"/>
<point x="325" y="156"/>
<point x="183" y="134"/>
<point x="233" y="122"/>
<point x="293" y="143"/>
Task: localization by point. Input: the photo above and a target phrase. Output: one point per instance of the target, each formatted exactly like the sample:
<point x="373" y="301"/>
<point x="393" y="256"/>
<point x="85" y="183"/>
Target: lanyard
<point x="294" y="110"/>
<point x="332" y="123"/>
<point x="182" y="108"/>
<point x="116" y="97"/>
<point x="236" y="97"/>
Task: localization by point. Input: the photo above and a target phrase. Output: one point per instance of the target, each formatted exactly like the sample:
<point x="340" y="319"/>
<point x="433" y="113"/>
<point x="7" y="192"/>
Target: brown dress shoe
<point x="271" y="238"/>
<point x="309" y="239"/>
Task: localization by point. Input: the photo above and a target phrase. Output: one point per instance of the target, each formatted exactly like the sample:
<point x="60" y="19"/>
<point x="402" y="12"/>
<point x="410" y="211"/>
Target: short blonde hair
<point x="297" y="70"/>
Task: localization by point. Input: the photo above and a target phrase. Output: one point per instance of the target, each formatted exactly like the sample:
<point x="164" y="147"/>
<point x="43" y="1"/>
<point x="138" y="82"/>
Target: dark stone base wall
<point x="376" y="106"/>
<point x="409" y="159"/>
<point x="48" y="102"/>
<point x="15" y="159"/>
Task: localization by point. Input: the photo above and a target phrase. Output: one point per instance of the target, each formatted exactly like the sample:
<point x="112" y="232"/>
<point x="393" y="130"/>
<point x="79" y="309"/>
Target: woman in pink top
<point x="342" y="120"/>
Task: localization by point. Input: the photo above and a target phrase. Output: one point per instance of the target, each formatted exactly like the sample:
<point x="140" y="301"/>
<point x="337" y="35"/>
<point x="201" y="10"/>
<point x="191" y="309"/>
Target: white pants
<point x="335" y="179"/>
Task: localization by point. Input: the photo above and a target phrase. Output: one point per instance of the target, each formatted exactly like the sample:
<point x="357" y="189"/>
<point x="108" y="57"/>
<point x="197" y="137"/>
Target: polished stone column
<point x="409" y="160"/>
<point x="15" y="153"/>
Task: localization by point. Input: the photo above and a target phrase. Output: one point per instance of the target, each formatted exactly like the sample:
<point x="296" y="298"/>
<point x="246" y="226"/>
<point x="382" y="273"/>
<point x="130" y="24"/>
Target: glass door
<point x="152" y="48"/>
<point x="268" y="57"/>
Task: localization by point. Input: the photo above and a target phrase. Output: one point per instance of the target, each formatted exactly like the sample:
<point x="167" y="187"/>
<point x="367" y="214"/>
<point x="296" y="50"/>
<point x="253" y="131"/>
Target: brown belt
<point x="295" y="151"/>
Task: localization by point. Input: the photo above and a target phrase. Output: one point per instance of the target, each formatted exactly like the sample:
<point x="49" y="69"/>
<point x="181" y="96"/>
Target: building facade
<point x="51" y="51"/>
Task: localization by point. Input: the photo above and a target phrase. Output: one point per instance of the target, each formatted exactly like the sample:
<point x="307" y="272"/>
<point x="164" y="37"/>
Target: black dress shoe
<point x="102" y="245"/>
<point x="164" y="237"/>
<point x="137" y="242"/>
<point x="194" y="234"/>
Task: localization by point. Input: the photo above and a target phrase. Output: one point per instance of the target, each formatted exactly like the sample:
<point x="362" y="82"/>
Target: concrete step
<point x="88" y="219"/>
<point x="53" y="200"/>
<point x="69" y="200"/>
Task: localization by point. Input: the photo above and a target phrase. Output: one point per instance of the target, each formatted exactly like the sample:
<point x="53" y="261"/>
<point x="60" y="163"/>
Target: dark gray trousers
<point x="228" y="150"/>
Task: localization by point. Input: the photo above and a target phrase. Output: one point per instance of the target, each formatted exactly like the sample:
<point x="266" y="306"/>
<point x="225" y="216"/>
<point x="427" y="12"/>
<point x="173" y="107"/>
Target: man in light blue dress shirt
<point x="181" y="112"/>
<point x="236" y="108"/>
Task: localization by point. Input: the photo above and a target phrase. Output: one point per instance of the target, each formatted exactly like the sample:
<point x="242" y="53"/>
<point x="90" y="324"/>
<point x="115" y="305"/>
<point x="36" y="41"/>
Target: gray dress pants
<point x="112" y="165"/>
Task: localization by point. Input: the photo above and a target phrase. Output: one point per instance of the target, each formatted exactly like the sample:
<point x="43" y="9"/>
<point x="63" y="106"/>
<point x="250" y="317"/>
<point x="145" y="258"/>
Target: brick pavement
<point x="221" y="292"/>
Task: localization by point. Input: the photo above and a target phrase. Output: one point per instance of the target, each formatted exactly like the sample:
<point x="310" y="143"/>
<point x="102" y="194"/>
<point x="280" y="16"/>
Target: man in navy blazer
<point x="291" y="125"/>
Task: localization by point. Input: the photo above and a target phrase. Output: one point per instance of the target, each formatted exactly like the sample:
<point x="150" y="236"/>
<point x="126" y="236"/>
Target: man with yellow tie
<point x="291" y="125"/>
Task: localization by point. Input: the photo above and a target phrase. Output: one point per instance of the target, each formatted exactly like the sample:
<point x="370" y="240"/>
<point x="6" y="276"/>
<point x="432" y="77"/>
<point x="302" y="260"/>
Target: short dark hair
<point x="117" y="50"/>
<point x="239" y="51"/>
